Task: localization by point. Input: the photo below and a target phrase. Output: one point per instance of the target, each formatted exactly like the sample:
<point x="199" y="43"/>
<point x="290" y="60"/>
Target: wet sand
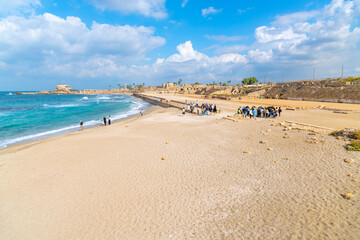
<point x="111" y="182"/>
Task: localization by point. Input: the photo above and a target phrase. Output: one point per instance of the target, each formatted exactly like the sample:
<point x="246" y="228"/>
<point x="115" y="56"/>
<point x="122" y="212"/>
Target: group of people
<point x="105" y="121"/>
<point x="263" y="112"/>
<point x="203" y="109"/>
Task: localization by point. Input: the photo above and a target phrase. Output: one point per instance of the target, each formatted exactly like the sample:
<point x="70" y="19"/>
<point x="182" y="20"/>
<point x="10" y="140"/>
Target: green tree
<point x="249" y="81"/>
<point x="224" y="84"/>
<point x="180" y="81"/>
<point x="228" y="82"/>
<point x="220" y="83"/>
<point x="197" y="83"/>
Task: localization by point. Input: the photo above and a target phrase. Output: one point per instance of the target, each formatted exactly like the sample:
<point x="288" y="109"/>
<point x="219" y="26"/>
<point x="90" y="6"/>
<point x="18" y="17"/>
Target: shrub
<point x="356" y="135"/>
<point x="335" y="133"/>
<point x="354" y="146"/>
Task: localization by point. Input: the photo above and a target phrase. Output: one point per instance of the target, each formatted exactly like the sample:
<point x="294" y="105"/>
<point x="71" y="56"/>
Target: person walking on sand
<point x="280" y="110"/>
<point x="81" y="125"/>
<point x="109" y="120"/>
<point x="104" y="121"/>
<point x="141" y="112"/>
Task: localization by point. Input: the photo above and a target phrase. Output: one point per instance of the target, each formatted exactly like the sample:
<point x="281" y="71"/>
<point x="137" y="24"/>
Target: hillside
<point x="337" y="90"/>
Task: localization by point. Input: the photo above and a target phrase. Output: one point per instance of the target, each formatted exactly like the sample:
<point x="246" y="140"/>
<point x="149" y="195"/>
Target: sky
<point x="101" y="43"/>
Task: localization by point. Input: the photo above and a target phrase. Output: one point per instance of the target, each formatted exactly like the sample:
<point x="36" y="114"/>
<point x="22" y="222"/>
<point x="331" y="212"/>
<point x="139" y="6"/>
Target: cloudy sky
<point x="99" y="43"/>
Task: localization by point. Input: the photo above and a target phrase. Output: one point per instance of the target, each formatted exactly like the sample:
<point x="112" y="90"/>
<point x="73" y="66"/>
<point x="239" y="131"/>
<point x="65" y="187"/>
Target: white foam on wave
<point x="102" y="98"/>
<point x="61" y="105"/>
<point x="133" y="110"/>
<point x="85" y="98"/>
<point x="9" y="94"/>
<point x="36" y="136"/>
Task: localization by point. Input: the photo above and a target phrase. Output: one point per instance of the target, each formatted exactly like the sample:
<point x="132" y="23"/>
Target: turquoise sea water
<point x="28" y="117"/>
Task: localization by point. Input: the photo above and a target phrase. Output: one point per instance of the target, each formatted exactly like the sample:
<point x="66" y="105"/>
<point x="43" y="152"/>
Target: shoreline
<point x="40" y="139"/>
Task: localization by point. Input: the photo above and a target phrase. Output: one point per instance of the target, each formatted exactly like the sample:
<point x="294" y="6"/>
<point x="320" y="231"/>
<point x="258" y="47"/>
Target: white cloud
<point x="52" y="43"/>
<point x="295" y="17"/>
<point x="148" y="8"/>
<point x="294" y="43"/>
<point x="186" y="52"/>
<point x="183" y="4"/>
<point x="18" y="6"/>
<point x="268" y="34"/>
<point x="260" y="56"/>
<point x="210" y="10"/>
<point x="223" y="38"/>
<point x="241" y="11"/>
<point x="230" y="49"/>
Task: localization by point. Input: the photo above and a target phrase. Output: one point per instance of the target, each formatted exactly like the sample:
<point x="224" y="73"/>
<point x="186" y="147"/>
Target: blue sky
<point x="97" y="43"/>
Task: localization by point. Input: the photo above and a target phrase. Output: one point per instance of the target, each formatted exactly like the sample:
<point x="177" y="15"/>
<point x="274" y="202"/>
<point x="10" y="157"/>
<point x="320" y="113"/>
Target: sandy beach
<point x="217" y="181"/>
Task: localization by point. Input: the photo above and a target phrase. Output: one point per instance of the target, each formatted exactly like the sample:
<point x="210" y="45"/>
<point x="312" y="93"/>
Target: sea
<point x="29" y="117"/>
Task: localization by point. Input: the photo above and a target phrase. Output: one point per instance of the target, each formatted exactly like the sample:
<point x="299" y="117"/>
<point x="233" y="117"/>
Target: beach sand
<point x="111" y="182"/>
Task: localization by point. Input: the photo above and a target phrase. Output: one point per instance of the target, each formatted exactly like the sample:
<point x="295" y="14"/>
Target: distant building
<point x="169" y="85"/>
<point x="62" y="88"/>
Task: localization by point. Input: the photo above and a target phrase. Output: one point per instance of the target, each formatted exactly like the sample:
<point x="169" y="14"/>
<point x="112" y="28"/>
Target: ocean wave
<point x="60" y="105"/>
<point x="102" y="97"/>
<point x="9" y="94"/>
<point x="85" y="98"/>
<point x="36" y="136"/>
<point x="134" y="108"/>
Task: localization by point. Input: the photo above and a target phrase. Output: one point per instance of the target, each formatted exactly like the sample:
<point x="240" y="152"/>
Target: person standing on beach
<point x="183" y="110"/>
<point x="141" y="112"/>
<point x="104" y="120"/>
<point x="280" y="111"/>
<point x="81" y="125"/>
<point x="109" y="120"/>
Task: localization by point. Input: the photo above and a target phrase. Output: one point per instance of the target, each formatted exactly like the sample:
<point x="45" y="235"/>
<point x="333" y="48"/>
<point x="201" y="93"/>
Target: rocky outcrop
<point x="334" y="90"/>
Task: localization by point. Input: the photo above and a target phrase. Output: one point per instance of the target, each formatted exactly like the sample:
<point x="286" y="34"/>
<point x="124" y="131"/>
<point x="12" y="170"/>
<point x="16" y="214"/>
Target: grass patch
<point x="356" y="135"/>
<point x="354" y="146"/>
<point x="335" y="133"/>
